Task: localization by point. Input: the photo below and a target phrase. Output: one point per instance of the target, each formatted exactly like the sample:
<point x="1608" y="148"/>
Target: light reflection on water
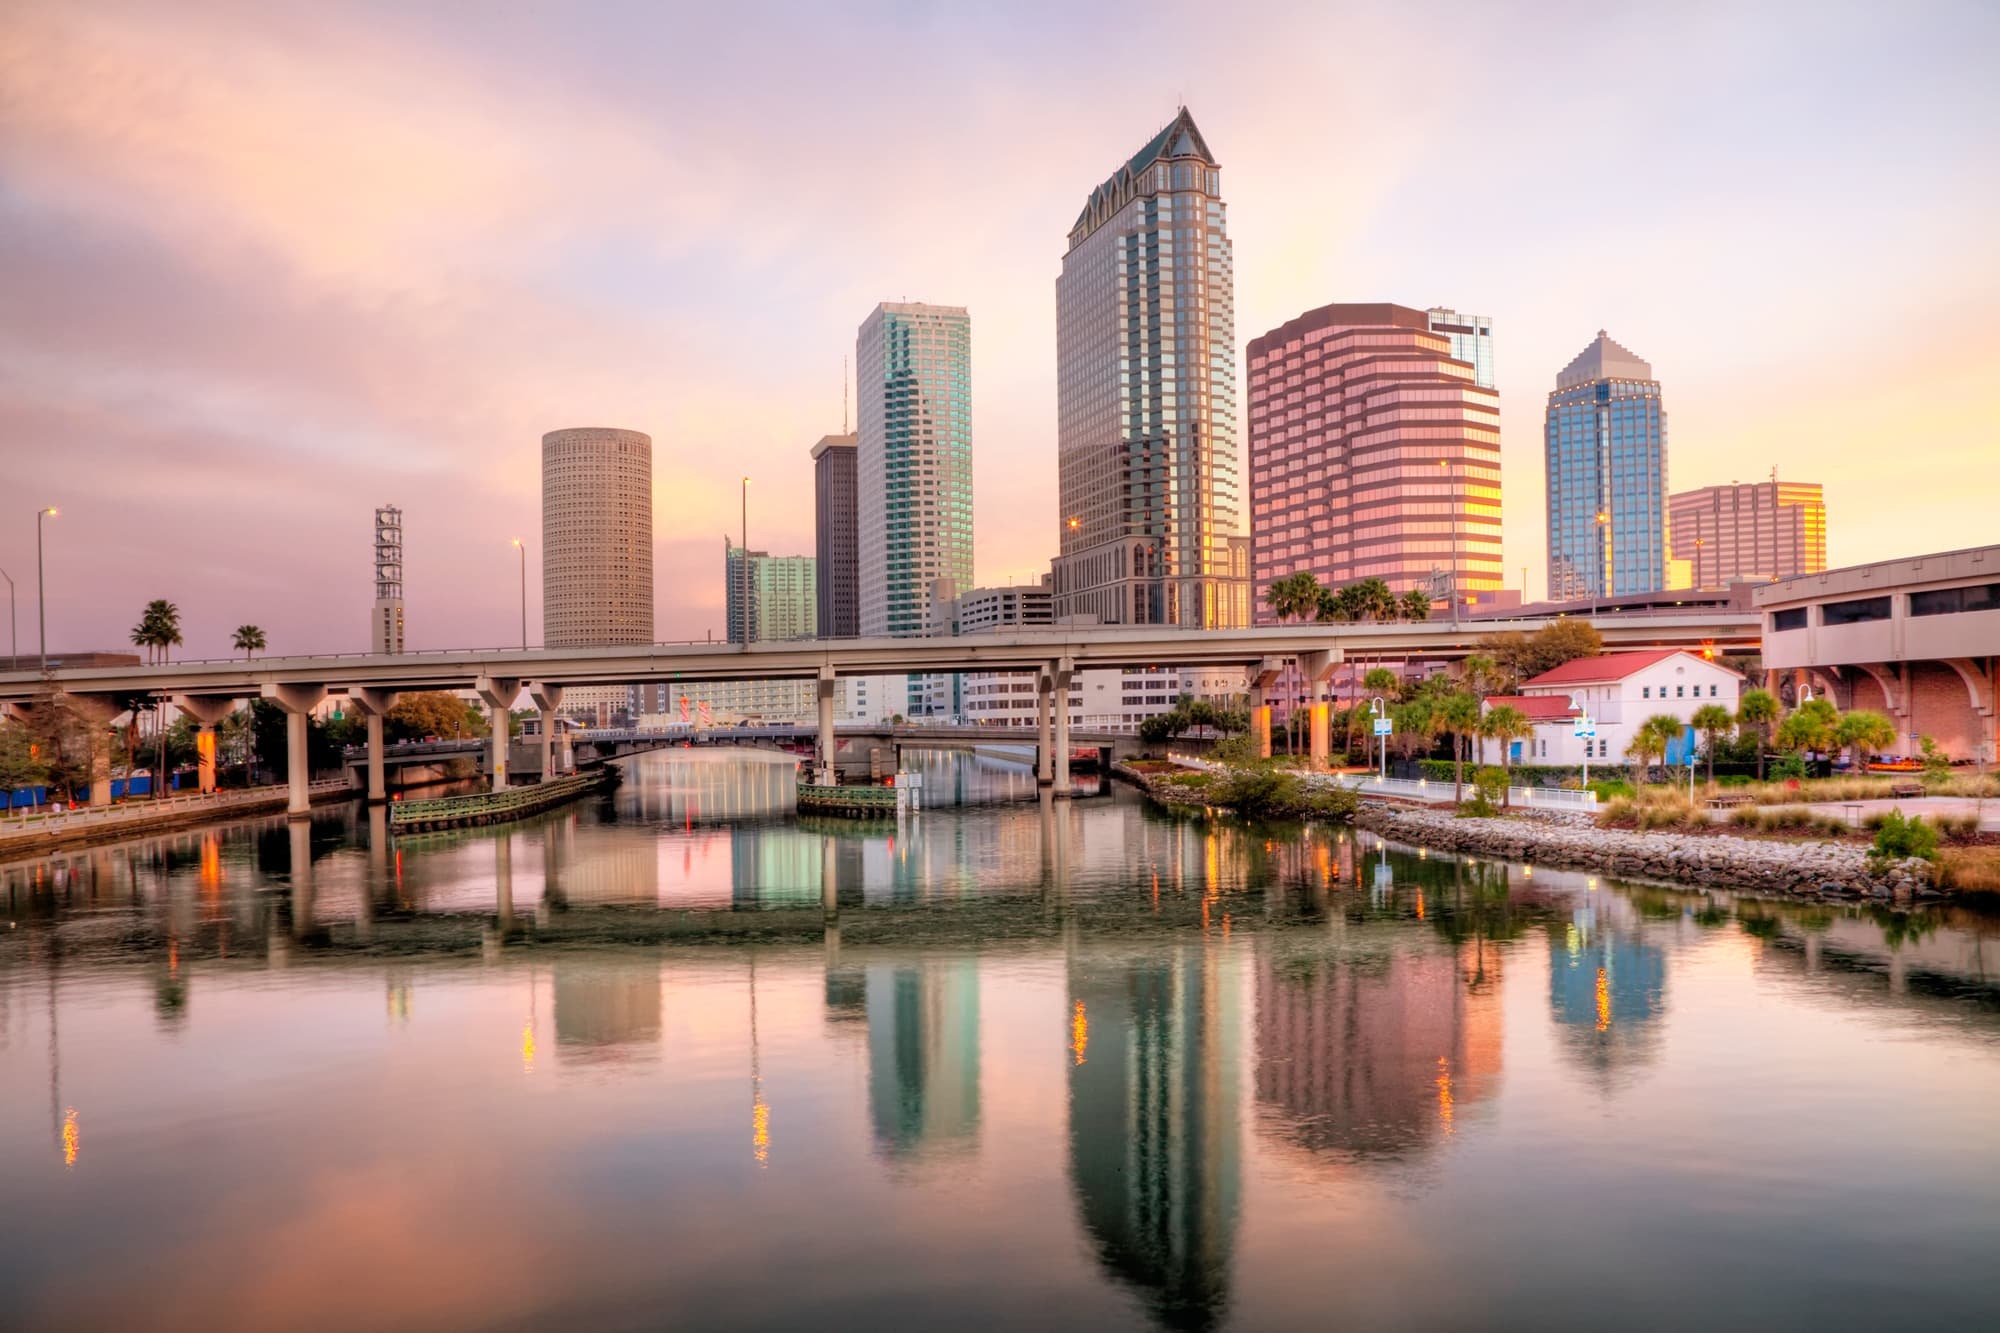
<point x="670" y="1058"/>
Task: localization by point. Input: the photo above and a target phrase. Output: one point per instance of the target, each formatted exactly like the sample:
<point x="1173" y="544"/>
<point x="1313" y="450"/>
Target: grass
<point x="1873" y="788"/>
<point x="1969" y="869"/>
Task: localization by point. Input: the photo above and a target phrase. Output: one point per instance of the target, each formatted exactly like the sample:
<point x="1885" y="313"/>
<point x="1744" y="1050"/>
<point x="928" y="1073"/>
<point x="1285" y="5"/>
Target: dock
<point x="490" y="807"/>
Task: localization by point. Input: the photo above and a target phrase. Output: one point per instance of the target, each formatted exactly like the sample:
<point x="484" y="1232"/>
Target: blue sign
<point x="1383" y="727"/>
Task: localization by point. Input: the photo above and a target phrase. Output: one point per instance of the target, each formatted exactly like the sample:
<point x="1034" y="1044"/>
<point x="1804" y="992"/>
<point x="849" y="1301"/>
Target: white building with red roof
<point x="1616" y="692"/>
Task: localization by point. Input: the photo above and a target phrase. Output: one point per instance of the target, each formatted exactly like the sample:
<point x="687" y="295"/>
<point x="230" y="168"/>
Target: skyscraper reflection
<point x="1154" y="1139"/>
<point x="607" y="1010"/>
<point x="923" y="1056"/>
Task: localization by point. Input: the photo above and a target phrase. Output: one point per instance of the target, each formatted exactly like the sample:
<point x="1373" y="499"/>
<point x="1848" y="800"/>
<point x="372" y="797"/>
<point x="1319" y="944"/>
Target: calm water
<point x="1070" y="1066"/>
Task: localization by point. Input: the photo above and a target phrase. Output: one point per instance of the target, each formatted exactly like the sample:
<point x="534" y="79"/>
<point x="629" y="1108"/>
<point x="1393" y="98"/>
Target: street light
<point x="1379" y="712"/>
<point x="41" y="593"/>
<point x="1598" y="589"/>
<point x="524" y="592"/>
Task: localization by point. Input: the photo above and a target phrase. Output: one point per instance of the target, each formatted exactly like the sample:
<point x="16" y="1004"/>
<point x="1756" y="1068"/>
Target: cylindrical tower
<point x="597" y="537"/>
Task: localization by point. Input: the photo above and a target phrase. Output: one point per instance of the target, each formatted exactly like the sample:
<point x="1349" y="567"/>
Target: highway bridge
<point x="209" y="690"/>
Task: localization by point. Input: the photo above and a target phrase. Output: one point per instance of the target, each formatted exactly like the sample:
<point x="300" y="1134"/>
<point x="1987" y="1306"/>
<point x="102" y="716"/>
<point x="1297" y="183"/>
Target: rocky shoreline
<point x="1798" y="869"/>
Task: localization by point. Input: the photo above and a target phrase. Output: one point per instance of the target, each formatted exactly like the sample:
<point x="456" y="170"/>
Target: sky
<point x="264" y="268"/>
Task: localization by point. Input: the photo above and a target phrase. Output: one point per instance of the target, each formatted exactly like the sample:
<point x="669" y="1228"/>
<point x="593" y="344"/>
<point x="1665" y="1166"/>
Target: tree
<point x="1756" y="711"/>
<point x="1813" y="726"/>
<point x="1864" y="732"/>
<point x="1527" y="655"/>
<point x="1293" y="597"/>
<point x="61" y="740"/>
<point x="1411" y="726"/>
<point x="1652" y="737"/>
<point x="1416" y="605"/>
<point x="249" y="641"/>
<point x="427" y="713"/>
<point x="1456" y="715"/>
<point x="21" y="762"/>
<point x="1382" y="681"/>
<point x="1711" y="720"/>
<point x="158" y="630"/>
<point x="1374" y="600"/>
<point x="1506" y="724"/>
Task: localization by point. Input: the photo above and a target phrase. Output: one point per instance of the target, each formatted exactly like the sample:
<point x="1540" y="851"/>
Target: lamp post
<point x="41" y="586"/>
<point x="743" y="559"/>
<point x="13" y="629"/>
<point x="522" y="548"/>
<point x="1598" y="588"/>
<point x="1383" y="741"/>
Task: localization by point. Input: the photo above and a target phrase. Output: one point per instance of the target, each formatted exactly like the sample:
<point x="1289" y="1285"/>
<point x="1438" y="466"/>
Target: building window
<point x="1790" y="618"/>
<point x="1859" y="611"/>
<point x="1680" y="691"/>
<point x="1645" y="691"/>
<point x="1951" y="601"/>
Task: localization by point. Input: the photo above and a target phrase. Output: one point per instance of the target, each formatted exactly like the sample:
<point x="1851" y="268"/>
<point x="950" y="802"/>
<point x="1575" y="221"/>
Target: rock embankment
<point x="1802" y="869"/>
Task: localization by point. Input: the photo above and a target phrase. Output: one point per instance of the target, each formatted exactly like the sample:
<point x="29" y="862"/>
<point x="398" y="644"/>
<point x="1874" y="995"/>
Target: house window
<point x="1680" y="691"/>
<point x="1645" y="691"/>
<point x="1712" y="690"/>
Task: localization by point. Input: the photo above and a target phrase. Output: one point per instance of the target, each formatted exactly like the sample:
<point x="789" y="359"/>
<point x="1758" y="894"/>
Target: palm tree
<point x="158" y="630"/>
<point x="1652" y="737"/>
<point x="249" y="641"/>
<point x="1864" y="732"/>
<point x="1813" y="726"/>
<point x="1711" y="720"/>
<point x="1381" y="680"/>
<point x="1506" y="724"/>
<point x="1293" y="597"/>
<point x="1456" y="715"/>
<point x="1416" y="605"/>
<point x="1373" y="600"/>
<point x="1757" y="710"/>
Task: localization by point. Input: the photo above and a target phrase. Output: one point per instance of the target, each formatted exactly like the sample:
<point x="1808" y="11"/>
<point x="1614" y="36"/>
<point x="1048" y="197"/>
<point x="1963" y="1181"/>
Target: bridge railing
<point x="52" y="816"/>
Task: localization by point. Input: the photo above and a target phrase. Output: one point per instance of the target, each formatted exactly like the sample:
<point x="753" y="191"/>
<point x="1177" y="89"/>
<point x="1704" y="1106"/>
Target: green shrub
<point x="1610" y="789"/>
<point x="1238" y="749"/>
<point x="1491" y="784"/>
<point x="1788" y="768"/>
<point x="1937" y="764"/>
<point x="1900" y="837"/>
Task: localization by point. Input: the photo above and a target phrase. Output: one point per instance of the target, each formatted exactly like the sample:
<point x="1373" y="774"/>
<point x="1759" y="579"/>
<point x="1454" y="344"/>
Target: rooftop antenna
<point x="843" y="395"/>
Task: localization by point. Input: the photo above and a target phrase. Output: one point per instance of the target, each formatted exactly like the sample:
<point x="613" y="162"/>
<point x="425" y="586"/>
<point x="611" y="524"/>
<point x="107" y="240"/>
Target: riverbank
<point x="52" y="831"/>
<point x="1802" y="869"/>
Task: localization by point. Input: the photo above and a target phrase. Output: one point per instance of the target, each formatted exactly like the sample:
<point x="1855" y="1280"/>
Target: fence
<point x="1421" y="789"/>
<point x="58" y="819"/>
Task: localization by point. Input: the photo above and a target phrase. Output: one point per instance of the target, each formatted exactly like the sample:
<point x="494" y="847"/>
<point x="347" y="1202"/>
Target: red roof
<point x="1602" y="669"/>
<point x="1536" y="707"/>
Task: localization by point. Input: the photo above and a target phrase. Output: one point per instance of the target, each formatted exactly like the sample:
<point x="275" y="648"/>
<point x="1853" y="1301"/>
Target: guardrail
<point x="487" y="807"/>
<point x="1422" y="789"/>
<point x="139" y="809"/>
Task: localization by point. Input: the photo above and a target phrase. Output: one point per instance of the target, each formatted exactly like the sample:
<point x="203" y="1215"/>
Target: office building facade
<point x="597" y="538"/>
<point x="1605" y="442"/>
<point x="782" y="595"/>
<point x="1146" y="394"/>
<point x="387" y="626"/>
<point x="1374" y="453"/>
<point x="837" y="534"/>
<point x="1753" y="532"/>
<point x="913" y="462"/>
<point x="1471" y="341"/>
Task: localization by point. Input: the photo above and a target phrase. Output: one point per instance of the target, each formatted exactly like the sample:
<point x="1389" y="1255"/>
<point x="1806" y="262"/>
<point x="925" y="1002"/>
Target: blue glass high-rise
<point x="1605" y="440"/>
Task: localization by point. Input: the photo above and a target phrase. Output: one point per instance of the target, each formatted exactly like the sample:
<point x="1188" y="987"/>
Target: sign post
<point x="1383" y="729"/>
<point x="1585" y="731"/>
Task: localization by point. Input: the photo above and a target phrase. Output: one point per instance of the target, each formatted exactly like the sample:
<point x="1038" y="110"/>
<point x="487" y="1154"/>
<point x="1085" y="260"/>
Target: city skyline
<point x="384" y="313"/>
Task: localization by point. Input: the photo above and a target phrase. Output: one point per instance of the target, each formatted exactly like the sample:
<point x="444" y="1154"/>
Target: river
<point x="1041" y="1065"/>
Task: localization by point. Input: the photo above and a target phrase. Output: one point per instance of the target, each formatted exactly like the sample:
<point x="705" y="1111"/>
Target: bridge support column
<point x="373" y="705"/>
<point x="96" y="712"/>
<point x="498" y="695"/>
<point x="827" y="740"/>
<point x="1060" y="673"/>
<point x="1262" y="674"/>
<point x="1317" y="667"/>
<point x="1045" y="771"/>
<point x="298" y="701"/>
<point x="547" y="699"/>
<point x="207" y="710"/>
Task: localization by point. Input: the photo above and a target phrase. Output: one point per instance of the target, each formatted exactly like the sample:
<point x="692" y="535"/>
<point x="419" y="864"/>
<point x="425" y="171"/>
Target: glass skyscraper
<point x="1146" y="395"/>
<point x="1471" y="341"/>
<point x="783" y="592"/>
<point x="1605" y="438"/>
<point x="913" y="462"/>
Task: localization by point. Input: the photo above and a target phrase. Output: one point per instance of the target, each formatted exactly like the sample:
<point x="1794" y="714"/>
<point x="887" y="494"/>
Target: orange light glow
<point x="1603" y="1000"/>
<point x="1079" y="1032"/>
<point x="527" y="1048"/>
<point x="72" y="1138"/>
<point x="1444" y="1094"/>
<point x="760" y="1130"/>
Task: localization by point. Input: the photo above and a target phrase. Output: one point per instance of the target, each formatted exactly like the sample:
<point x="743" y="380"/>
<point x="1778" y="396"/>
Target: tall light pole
<point x="524" y="592"/>
<point x="13" y="629"/>
<point x="1598" y="588"/>
<point x="743" y="559"/>
<point x="1451" y="573"/>
<point x="41" y="585"/>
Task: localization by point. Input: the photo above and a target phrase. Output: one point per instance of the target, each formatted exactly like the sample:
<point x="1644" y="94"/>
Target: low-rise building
<point x="1617" y="692"/>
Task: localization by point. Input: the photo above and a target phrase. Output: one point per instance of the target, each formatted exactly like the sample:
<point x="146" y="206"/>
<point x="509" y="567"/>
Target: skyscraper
<point x="1471" y="341"/>
<point x="912" y="462"/>
<point x="597" y="538"/>
<point x="387" y="625"/>
<point x="1146" y="394"/>
<point x="1605" y="437"/>
<point x="836" y="530"/>
<point x="1758" y="531"/>
<point x="783" y="593"/>
<point x="1374" y="453"/>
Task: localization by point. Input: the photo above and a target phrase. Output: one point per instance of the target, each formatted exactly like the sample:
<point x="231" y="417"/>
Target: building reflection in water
<point x="923" y="1054"/>
<point x="1154" y="1135"/>
<point x="1607" y="988"/>
<point x="607" y="1010"/>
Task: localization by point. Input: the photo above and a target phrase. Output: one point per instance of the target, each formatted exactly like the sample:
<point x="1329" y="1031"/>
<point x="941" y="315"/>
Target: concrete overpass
<point x="209" y="690"/>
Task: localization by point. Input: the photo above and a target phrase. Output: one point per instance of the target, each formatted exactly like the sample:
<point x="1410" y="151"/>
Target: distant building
<point x="387" y="624"/>
<point x="1605" y="442"/>
<point x="1753" y="532"/>
<point x="837" y="537"/>
<point x="1374" y="453"/>
<point x="1146" y="394"/>
<point x="1471" y="341"/>
<point x="597" y="550"/>
<point x="782" y="592"/>
<point x="913" y="462"/>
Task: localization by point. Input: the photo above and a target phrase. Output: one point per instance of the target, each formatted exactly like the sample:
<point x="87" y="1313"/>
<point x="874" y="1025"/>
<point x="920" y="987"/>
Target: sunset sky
<point x="263" y="268"/>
